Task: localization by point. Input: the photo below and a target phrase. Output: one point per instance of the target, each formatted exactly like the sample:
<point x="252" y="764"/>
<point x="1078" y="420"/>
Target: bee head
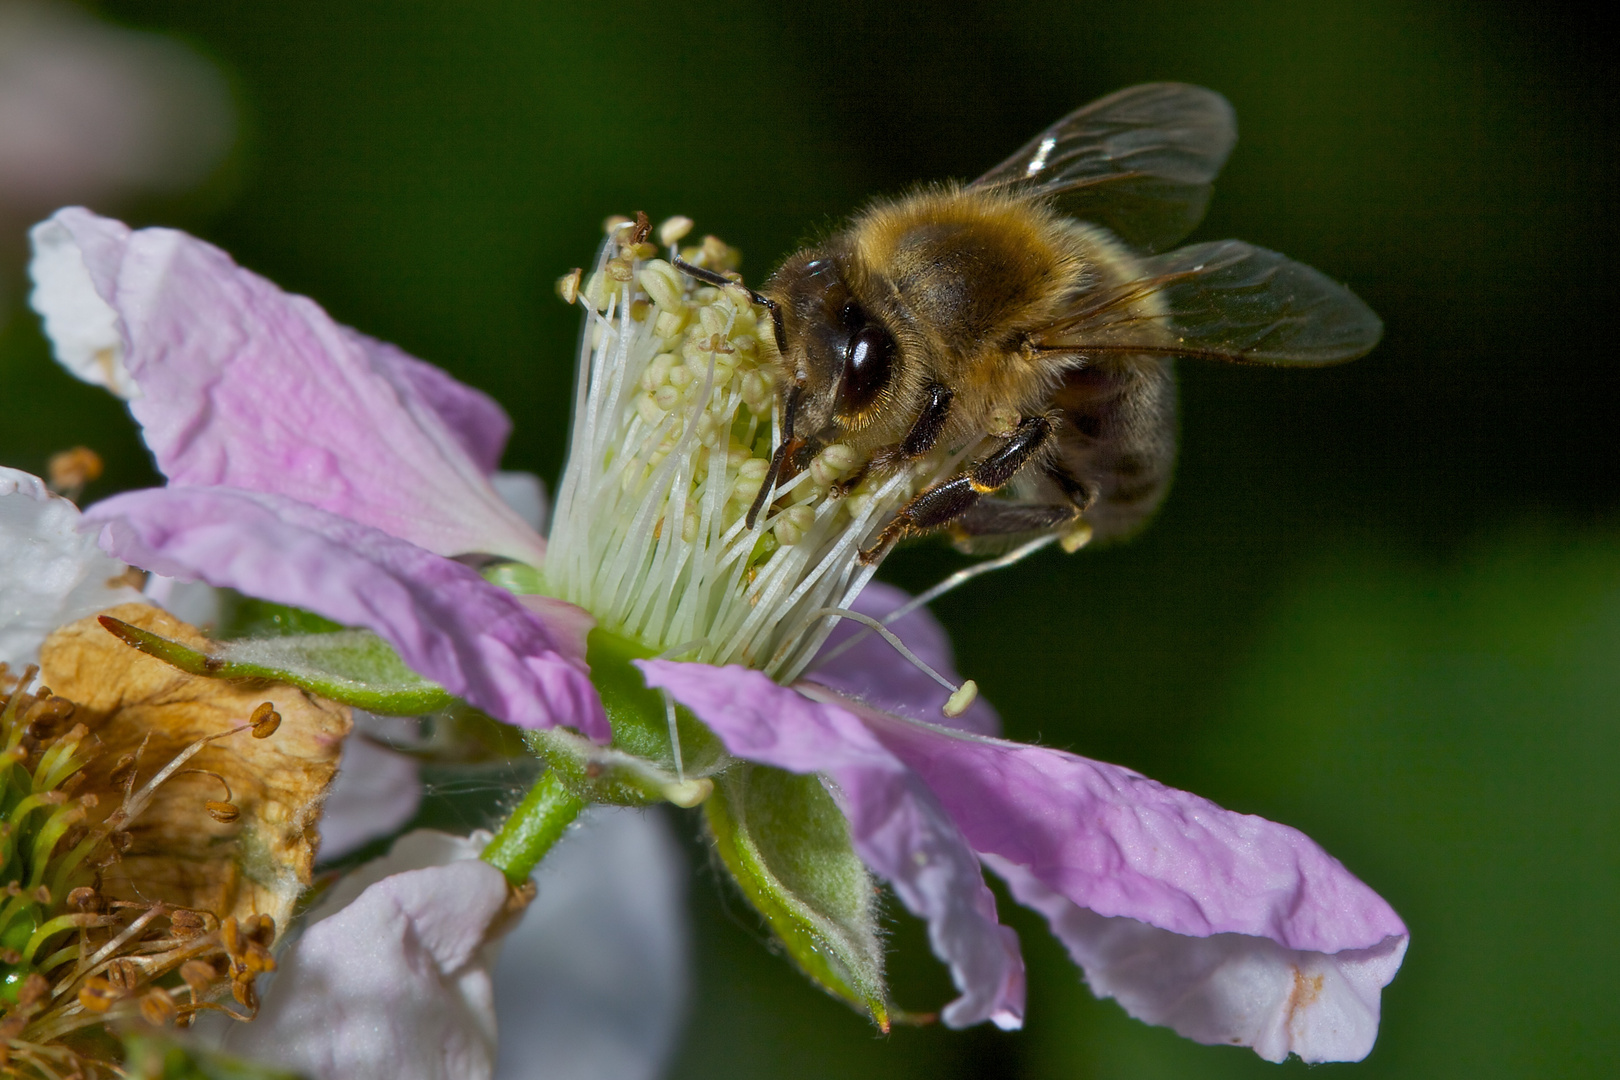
<point x="839" y="356"/>
<point x="837" y="360"/>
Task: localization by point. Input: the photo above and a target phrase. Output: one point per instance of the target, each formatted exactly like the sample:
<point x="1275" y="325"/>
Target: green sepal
<point x="352" y="667"/>
<point x="637" y="713"/>
<point x="515" y="577"/>
<point x="152" y="1057"/>
<point x="787" y="845"/>
<point x="249" y="617"/>
<point x="602" y="774"/>
<point x="638" y="767"/>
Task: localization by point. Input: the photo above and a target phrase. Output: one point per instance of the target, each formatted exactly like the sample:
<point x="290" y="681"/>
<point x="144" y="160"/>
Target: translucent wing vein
<point x="1225" y="300"/>
<point x="1139" y="162"/>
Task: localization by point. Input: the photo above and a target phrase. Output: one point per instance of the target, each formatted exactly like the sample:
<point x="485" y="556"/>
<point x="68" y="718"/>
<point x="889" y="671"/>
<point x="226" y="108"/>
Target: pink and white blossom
<point x="312" y="466"/>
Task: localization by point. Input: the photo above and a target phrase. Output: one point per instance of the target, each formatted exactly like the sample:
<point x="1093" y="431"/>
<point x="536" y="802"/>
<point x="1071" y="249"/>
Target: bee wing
<point x="1225" y="300"/>
<point x="1139" y="162"/>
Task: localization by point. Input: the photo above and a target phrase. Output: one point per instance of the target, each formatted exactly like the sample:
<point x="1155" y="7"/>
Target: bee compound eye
<point x="851" y="317"/>
<point x="868" y="362"/>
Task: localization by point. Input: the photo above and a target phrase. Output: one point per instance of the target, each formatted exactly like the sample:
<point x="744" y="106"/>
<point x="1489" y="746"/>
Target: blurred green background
<point x="1382" y="602"/>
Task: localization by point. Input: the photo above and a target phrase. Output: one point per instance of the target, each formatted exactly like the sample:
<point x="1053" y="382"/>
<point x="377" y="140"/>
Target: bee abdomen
<point x="1117" y="444"/>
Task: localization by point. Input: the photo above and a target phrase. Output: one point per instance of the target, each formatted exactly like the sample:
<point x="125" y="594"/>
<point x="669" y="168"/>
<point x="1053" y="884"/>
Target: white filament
<point x="893" y="639"/>
<point x="961" y="577"/>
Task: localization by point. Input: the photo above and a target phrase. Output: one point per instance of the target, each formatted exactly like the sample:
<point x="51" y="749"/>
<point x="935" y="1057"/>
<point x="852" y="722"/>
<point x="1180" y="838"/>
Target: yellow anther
<point x="97" y="995"/>
<point x="596" y="291"/>
<point x="793" y="524"/>
<point x="669" y="323"/>
<point x="68" y="471"/>
<point x="158" y="1007"/>
<point x="756" y="391"/>
<point x="657" y="372"/>
<point x="663" y="283"/>
<point x="959" y="701"/>
<point x="689" y="793"/>
<point x="123" y="974"/>
<point x="242" y="990"/>
<point x="223" y="812"/>
<point x="713" y="320"/>
<point x="674" y="230"/>
<point x="568" y="285"/>
<point x="1078" y="536"/>
<point x="265" y="720"/>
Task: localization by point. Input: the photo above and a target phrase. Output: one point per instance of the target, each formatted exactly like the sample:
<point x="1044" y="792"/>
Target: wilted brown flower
<point x="135" y="892"/>
<point x="180" y="853"/>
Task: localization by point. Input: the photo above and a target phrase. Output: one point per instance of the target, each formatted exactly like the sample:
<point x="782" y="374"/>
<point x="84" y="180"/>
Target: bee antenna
<point x="768" y="483"/>
<point x="789" y="409"/>
<point x="720" y="281"/>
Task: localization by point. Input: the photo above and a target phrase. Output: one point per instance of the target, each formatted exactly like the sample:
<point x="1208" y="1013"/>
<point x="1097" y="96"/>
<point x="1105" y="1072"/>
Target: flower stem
<point x="532" y="829"/>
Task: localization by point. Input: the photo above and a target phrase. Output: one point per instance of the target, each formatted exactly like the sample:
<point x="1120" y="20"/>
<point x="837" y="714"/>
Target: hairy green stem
<point x="537" y="823"/>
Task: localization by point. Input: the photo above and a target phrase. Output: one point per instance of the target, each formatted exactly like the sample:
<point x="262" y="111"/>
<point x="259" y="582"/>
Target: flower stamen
<point x="961" y="696"/>
<point x="928" y="596"/>
<point x="677" y="420"/>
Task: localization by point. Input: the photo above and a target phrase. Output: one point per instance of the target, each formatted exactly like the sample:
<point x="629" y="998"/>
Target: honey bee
<point x="1033" y="316"/>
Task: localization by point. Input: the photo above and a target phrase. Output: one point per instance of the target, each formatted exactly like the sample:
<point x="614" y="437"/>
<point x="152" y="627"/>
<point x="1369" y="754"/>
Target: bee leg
<point x="930" y="422"/>
<point x="790" y="458"/>
<point x="993" y="517"/>
<point x="949" y="500"/>
<point x="924" y="433"/>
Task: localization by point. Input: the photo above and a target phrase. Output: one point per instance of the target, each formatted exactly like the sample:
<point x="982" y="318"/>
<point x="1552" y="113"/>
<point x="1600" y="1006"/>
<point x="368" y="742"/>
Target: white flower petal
<point x="50" y="573"/>
<point x="392" y="977"/>
<point x="592" y="984"/>
<point x="376" y="792"/>
<point x="395" y="985"/>
<point x="1226" y="989"/>
<point x="418" y="850"/>
<point x="83" y="327"/>
<point x="194" y="602"/>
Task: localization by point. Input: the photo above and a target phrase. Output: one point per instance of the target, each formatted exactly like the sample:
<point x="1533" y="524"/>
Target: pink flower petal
<point x="239" y="384"/>
<point x="1226" y="989"/>
<point x="395" y="986"/>
<point x="478" y="423"/>
<point x="1117" y="843"/>
<point x="877" y="674"/>
<point x="898" y="827"/>
<point x="448" y="624"/>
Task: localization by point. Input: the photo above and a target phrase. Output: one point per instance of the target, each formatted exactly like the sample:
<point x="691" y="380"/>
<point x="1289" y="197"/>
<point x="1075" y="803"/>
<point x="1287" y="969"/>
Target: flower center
<point x="676" y="417"/>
